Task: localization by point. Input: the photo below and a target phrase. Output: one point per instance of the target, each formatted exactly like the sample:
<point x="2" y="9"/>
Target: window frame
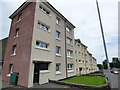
<point x="69" y="53"/>
<point x="58" y="69"/>
<point x="57" y="52"/>
<point x="57" y="34"/>
<point x="68" y="29"/>
<point x="42" y="45"/>
<point x="14" y="49"/>
<point x="43" y="26"/>
<point x="58" y="21"/>
<point x="68" y="40"/>
<point x="70" y="67"/>
<point x="19" y="17"/>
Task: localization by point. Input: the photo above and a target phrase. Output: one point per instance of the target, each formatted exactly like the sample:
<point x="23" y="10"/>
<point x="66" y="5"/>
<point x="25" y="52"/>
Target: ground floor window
<point x="58" y="67"/>
<point x="43" y="66"/>
<point x="70" y="67"/>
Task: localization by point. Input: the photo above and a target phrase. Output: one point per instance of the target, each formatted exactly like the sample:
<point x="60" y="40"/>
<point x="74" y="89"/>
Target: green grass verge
<point x="87" y="80"/>
<point x="96" y="74"/>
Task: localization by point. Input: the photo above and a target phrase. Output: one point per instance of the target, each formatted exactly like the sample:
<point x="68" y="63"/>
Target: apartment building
<point x="85" y="62"/>
<point x="94" y="64"/>
<point x="3" y="44"/>
<point x="90" y="61"/>
<point x="81" y="57"/>
<point x="40" y="45"/>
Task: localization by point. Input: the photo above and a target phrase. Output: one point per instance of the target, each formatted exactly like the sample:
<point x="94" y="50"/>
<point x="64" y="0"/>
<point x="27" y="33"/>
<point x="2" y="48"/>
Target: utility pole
<point x="110" y="79"/>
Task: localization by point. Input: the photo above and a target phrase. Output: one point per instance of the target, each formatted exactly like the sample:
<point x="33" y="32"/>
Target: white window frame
<point x="58" y="68"/>
<point x="68" y="29"/>
<point x="42" y="26"/>
<point x="14" y="49"/>
<point x="69" y="53"/>
<point x="57" y="47"/>
<point x="19" y="17"/>
<point x="42" y="45"/>
<point x="68" y="40"/>
<point x="70" y="67"/>
<point x="57" y="35"/>
<point x="44" y="10"/>
<point x="57" y="21"/>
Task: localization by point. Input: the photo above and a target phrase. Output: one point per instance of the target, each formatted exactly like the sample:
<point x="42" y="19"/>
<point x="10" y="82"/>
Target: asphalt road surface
<point x="115" y="79"/>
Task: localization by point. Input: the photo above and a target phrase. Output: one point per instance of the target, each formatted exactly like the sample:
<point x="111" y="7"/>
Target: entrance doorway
<point x="36" y="73"/>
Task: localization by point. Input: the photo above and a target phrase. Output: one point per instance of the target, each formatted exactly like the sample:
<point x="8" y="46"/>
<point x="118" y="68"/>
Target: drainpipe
<point x="65" y="51"/>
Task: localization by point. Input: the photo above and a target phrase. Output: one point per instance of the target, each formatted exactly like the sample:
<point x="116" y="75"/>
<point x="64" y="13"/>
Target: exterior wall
<point x="23" y="50"/>
<point x="79" y="47"/>
<point x="3" y="44"/>
<point x="50" y="38"/>
<point x="89" y="61"/>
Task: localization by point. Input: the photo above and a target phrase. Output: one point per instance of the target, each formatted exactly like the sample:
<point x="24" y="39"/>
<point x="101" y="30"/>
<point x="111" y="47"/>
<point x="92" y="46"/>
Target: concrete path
<point x="51" y="85"/>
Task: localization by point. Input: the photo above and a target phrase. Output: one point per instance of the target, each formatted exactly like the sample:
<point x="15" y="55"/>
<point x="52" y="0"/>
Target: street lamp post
<point x="110" y="79"/>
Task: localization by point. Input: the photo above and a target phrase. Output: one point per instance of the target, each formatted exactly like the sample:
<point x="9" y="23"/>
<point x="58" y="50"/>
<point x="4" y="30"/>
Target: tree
<point x="116" y="62"/>
<point x="100" y="66"/>
<point x="105" y="64"/>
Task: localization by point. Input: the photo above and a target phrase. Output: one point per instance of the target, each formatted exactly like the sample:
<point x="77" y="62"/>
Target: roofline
<point x="57" y="12"/>
<point x="81" y="43"/>
<point x="26" y="3"/>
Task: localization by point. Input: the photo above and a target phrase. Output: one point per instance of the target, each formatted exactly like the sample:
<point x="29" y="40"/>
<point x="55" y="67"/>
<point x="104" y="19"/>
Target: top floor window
<point x="57" y="20"/>
<point x="68" y="29"/>
<point x="19" y="17"/>
<point x="44" y="10"/>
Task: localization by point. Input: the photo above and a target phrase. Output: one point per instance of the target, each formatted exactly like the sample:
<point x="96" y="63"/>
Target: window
<point x="80" y="61"/>
<point x="69" y="53"/>
<point x="42" y="26"/>
<point x="14" y="50"/>
<point x="57" y="20"/>
<point x="44" y="10"/>
<point x="11" y="68"/>
<point x="75" y="52"/>
<point x="41" y="44"/>
<point x="79" y="53"/>
<point x="19" y="17"/>
<point x="68" y="29"/>
<point x="68" y="40"/>
<point x="58" y="67"/>
<point x="57" y="34"/>
<point x="17" y="32"/>
<point x="70" y="67"/>
<point x="57" y="50"/>
<point x="43" y="66"/>
<point x="78" y="45"/>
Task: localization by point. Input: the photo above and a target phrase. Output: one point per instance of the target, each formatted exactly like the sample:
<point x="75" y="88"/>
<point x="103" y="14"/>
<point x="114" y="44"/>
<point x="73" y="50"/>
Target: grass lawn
<point x="96" y="74"/>
<point x="87" y="80"/>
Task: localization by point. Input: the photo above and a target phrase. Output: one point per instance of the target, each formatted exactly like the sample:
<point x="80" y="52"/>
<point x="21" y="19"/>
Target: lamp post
<point x="110" y="79"/>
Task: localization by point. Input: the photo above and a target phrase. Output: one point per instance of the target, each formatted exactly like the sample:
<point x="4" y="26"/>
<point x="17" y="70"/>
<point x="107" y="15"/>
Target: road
<point x="115" y="78"/>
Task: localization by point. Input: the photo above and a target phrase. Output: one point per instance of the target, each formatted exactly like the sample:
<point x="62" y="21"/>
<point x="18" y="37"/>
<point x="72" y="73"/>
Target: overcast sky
<point x="83" y="14"/>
